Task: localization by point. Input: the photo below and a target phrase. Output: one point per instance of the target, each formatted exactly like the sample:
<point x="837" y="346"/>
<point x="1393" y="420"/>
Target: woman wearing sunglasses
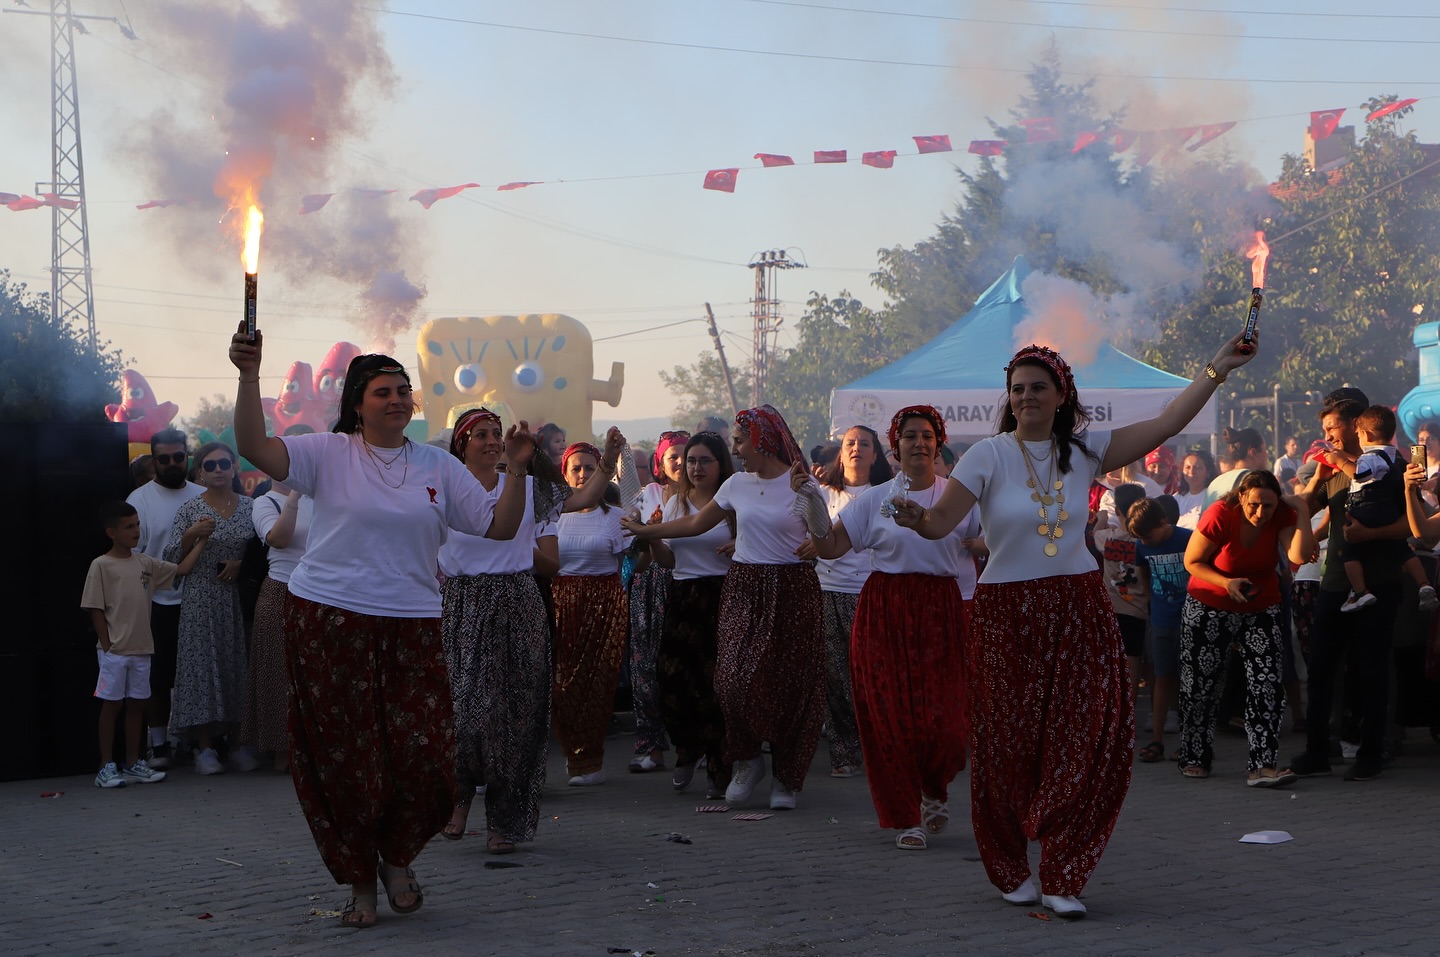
<point x="372" y="733"/>
<point x="210" y="659"/>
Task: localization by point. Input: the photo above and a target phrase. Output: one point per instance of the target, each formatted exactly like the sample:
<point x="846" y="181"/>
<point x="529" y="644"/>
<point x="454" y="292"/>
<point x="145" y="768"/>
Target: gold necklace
<point x="1042" y="493"/>
<point x="377" y="461"/>
<point x="381" y="459"/>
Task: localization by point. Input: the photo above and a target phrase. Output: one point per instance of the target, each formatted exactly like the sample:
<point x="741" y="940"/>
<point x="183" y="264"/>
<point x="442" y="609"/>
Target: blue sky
<point x="629" y="242"/>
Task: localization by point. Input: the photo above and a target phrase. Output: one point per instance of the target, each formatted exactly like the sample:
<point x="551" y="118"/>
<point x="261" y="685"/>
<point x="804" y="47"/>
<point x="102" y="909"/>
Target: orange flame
<point x="1257" y="254"/>
<point x="254" y="225"/>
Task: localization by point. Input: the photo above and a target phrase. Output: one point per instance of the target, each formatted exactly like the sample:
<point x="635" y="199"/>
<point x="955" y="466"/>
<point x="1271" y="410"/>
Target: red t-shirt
<point x="1221" y="524"/>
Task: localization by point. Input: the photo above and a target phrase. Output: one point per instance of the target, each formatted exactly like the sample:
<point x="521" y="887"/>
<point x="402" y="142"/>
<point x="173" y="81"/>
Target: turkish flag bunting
<point x="1085" y="139"/>
<point x="830" y="156"/>
<point x="158" y="204"/>
<point x="429" y="197"/>
<point x="932" y="144"/>
<point x="1208" y="133"/>
<point x="1124" y="139"/>
<point x="722" y="179"/>
<point x="372" y="193"/>
<point x="54" y="199"/>
<point x="987" y="147"/>
<point x="8" y="198"/>
<point x="1041" y="129"/>
<point x="24" y="203"/>
<point x="308" y="204"/>
<point x="1323" y="122"/>
<point x="517" y="185"/>
<point x="1147" y="144"/>
<point x="880" y="159"/>
<point x="1391" y="108"/>
<point x="774" y="159"/>
<point x="1176" y="138"/>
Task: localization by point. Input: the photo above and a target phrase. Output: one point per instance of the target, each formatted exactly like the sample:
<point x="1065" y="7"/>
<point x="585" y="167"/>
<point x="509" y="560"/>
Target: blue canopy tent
<point x="961" y="372"/>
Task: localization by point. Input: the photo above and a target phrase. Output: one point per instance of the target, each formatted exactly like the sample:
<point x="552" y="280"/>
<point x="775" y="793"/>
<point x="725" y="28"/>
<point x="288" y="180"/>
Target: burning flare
<point x="1257" y="254"/>
<point x="254" y="225"/>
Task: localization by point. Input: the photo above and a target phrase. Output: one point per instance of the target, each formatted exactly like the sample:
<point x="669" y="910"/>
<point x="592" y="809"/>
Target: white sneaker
<point x="1024" y="894"/>
<point x="109" y="777"/>
<point x="1356" y="602"/>
<point x="588" y="780"/>
<point x="748" y="773"/>
<point x="781" y="797"/>
<point x="1349" y="749"/>
<point x="142" y="773"/>
<point x="243" y="759"/>
<point x="1064" y="905"/>
<point x="1429" y="601"/>
<point x="208" y="762"/>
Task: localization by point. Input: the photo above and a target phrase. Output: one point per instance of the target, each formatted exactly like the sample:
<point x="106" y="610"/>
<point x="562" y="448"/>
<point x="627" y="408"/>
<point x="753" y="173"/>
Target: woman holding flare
<point x="1051" y="716"/>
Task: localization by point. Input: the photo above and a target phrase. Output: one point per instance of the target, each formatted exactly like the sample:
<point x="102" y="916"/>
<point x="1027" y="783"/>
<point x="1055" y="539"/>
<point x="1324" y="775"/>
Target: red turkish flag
<point x="774" y="159"/>
<point x="518" y="185"/>
<point x="1085" y="139"/>
<point x="308" y="204"/>
<point x="1208" y="133"/>
<point x="372" y="193"/>
<point x="722" y="179"/>
<point x="8" y="198"/>
<point x="830" y="156"/>
<point x="880" y="159"/>
<point x="1041" y="129"/>
<point x="429" y="197"/>
<point x="1124" y="139"/>
<point x="54" y="199"/>
<point x="158" y="204"/>
<point x="932" y="144"/>
<point x="1147" y="144"/>
<point x="1323" y="122"/>
<point x="987" y="147"/>
<point x="1391" y="108"/>
<point x="24" y="203"/>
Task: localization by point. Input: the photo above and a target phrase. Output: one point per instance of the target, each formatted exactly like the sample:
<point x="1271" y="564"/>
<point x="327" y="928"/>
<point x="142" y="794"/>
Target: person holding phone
<point x="1234" y="597"/>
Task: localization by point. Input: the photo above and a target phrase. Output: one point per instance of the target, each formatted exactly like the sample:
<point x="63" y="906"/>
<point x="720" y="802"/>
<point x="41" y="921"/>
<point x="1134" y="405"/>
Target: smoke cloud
<point x="278" y="92"/>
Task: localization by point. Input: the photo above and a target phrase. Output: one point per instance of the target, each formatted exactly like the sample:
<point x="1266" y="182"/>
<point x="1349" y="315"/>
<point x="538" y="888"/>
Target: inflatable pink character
<point x="297" y="404"/>
<point x="138" y="408"/>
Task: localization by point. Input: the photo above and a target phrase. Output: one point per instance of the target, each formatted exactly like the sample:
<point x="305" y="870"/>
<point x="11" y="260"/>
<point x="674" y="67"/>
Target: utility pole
<point x="766" y="310"/>
<point x="71" y="285"/>
<point x="724" y="366"/>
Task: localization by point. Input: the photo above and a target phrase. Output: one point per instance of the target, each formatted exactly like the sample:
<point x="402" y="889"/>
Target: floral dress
<point x="210" y="660"/>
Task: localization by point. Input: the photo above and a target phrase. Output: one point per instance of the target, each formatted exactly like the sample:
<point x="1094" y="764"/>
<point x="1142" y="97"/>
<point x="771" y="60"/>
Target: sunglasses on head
<point x="216" y="465"/>
<point x="674" y="436"/>
<point x="170" y="458"/>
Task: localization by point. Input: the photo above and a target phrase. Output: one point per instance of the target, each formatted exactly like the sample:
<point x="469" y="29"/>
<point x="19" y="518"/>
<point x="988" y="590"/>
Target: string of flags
<point x="1147" y="146"/>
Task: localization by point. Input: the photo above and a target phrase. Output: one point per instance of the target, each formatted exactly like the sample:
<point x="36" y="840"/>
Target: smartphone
<point x="1417" y="455"/>
<point x="219" y="568"/>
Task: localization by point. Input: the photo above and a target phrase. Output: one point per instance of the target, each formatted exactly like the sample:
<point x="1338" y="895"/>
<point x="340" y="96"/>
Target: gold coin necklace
<point x="1051" y="494"/>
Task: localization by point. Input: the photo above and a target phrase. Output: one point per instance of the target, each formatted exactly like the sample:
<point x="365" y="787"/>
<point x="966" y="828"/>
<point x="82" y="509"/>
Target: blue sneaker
<point x="109" y="777"/>
<point x="142" y="773"/>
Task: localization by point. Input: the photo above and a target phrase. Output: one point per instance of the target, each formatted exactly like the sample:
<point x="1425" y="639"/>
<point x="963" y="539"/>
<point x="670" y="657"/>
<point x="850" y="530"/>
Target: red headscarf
<point x="465" y="425"/>
<point x="668" y="440"/>
<point x="1165" y="456"/>
<point x="576" y="449"/>
<point x="1051" y="360"/>
<point x="926" y="412"/>
<point x="769" y="434"/>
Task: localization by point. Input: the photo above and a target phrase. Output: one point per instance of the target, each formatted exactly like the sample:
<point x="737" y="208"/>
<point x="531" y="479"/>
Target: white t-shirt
<point x="652" y="497"/>
<point x="696" y="557"/>
<point x="466" y="554"/>
<point x="995" y="472"/>
<point x="1191" y="505"/>
<point x="591" y="542"/>
<point x="372" y="547"/>
<point x="264" y="516"/>
<point x="157" y="506"/>
<point x="766" y="531"/>
<point x="896" y="550"/>
<point x="1107" y="501"/>
<point x="845" y="575"/>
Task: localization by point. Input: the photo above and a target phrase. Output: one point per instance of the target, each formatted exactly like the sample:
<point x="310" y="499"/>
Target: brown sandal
<point x="1195" y="771"/>
<point x="496" y="843"/>
<point x="1152" y="752"/>
<point x="358" y="909"/>
<point x="453" y="831"/>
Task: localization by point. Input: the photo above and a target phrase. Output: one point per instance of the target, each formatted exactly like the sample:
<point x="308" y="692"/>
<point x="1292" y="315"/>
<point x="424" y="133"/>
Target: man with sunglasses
<point x="157" y="502"/>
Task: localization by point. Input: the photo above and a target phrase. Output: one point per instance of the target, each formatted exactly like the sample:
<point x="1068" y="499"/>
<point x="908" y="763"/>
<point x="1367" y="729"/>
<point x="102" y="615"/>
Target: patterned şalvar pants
<point x="1205" y="635"/>
<point x="842" y="731"/>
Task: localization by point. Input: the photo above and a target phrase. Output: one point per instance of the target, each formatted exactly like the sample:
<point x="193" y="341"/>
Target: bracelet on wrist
<point x="1213" y="374"/>
<point x="245" y="380"/>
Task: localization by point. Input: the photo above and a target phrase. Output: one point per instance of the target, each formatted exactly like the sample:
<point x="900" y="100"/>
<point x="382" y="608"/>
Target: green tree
<point x="48" y="371"/>
<point x="213" y="415"/>
<point x="700" y="390"/>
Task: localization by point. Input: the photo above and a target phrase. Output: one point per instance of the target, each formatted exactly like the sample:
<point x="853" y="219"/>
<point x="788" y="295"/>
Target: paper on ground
<point x="1266" y="837"/>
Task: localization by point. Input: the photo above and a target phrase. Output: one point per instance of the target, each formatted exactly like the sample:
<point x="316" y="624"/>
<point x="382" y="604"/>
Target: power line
<point x="1307" y="14"/>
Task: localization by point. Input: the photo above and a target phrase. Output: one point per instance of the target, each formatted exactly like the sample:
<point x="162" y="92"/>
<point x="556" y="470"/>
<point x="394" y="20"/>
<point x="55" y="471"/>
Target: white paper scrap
<point x="1266" y="837"/>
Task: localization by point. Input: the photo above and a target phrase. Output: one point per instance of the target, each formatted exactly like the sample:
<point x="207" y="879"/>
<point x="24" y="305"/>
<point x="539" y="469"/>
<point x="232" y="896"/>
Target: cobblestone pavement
<point x="225" y="865"/>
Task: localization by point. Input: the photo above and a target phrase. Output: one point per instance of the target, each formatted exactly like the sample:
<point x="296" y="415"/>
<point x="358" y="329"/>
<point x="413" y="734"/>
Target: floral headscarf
<point x="926" y="412"/>
<point x="576" y="449"/>
<point x="1051" y="360"/>
<point x="769" y="434"/>
<point x="466" y="424"/>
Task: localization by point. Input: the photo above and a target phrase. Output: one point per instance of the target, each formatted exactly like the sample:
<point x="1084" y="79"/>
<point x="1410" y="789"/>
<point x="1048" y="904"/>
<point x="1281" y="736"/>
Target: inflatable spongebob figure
<point x="539" y="366"/>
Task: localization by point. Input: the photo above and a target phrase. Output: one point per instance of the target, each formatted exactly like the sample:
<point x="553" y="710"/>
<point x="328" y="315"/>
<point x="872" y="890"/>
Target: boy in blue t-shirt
<point x="1160" y="553"/>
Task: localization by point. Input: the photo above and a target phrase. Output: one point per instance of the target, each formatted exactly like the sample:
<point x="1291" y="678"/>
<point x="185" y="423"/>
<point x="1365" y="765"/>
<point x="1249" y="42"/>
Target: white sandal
<point x="934" y="814"/>
<point x="906" y="839"/>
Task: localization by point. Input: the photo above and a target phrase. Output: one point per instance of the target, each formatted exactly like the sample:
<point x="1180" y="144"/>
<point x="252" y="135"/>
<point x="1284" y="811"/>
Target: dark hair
<point x="880" y="470"/>
<point x="1070" y="418"/>
<point x="712" y="423"/>
<point x="1126" y="495"/>
<point x="1170" y="507"/>
<point x="138" y="467"/>
<point x="1253" y="479"/>
<point x="1429" y="425"/>
<point x="171" y="436"/>
<point x="546" y="431"/>
<point x="113" y="513"/>
<point x="1145" y="516"/>
<point x="1347" y="408"/>
<point x="361" y="370"/>
<point x="716" y="445"/>
<point x="299" y="428"/>
<point x="1211" y="469"/>
<point x="1240" y="442"/>
<point x="198" y="460"/>
<point x="1377" y="420"/>
<point x="826" y="454"/>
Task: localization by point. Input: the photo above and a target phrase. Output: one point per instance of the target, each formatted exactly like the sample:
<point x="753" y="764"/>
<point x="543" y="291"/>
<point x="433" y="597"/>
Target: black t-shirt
<point x="1379" y="568"/>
